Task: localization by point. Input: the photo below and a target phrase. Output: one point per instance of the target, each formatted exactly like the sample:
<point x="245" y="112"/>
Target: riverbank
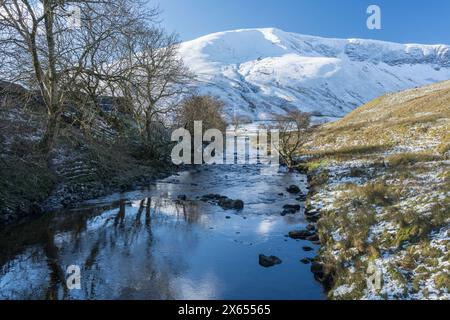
<point x="84" y="164"/>
<point x="379" y="180"/>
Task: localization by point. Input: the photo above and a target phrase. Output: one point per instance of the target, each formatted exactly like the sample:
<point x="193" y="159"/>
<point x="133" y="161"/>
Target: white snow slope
<point x="259" y="72"/>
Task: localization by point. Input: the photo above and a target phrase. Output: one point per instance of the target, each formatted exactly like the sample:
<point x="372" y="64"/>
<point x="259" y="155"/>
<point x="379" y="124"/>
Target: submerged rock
<point x="212" y="197"/>
<point x="305" y="261"/>
<point x="224" y="202"/>
<point x="229" y="204"/>
<point x="307" y="249"/>
<point x="293" y="189"/>
<point x="268" y="262"/>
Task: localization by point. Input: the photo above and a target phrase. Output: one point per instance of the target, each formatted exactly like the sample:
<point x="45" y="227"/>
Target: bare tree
<point x="42" y="50"/>
<point x="238" y="121"/>
<point x="156" y="77"/>
<point x="293" y="127"/>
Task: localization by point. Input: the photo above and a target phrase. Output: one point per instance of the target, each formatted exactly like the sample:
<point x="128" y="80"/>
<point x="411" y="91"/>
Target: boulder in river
<point x="224" y="202"/>
<point x="238" y="204"/>
<point x="293" y="189"/>
<point x="268" y="262"/>
<point x="290" y="209"/>
<point x="293" y="207"/>
<point x="300" y="234"/>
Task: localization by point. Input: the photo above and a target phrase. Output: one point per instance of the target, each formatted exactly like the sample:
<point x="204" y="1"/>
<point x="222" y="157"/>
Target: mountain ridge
<point x="259" y="72"/>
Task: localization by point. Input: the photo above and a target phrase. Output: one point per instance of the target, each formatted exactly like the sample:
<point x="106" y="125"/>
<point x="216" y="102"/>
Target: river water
<point x="148" y="244"/>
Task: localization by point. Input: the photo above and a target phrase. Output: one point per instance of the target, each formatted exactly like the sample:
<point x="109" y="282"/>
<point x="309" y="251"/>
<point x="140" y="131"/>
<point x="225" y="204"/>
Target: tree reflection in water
<point x="113" y="247"/>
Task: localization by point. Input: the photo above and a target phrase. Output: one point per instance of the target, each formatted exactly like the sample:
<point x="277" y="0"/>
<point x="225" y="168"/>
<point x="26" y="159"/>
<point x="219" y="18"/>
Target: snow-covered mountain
<point x="258" y="72"/>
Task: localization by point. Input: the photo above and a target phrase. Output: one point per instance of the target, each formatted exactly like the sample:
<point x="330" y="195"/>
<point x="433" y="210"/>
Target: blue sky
<point x="403" y="21"/>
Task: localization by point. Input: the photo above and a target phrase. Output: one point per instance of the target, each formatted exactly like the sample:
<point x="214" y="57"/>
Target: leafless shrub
<point x="294" y="129"/>
<point x="201" y="108"/>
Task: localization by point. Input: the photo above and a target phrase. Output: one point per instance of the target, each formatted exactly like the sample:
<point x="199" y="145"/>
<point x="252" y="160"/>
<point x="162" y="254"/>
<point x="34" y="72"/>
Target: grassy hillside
<point x="380" y="179"/>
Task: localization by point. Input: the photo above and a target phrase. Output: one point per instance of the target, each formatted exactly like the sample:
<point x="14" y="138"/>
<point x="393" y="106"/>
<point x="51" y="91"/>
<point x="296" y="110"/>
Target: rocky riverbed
<point x="210" y="232"/>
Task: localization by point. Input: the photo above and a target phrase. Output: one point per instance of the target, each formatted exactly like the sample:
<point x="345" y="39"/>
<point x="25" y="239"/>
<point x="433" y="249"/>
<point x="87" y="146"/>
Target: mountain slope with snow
<point x="258" y="72"/>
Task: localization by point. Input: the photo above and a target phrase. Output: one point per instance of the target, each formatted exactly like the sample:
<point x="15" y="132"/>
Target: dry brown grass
<point x="405" y="159"/>
<point x="395" y="119"/>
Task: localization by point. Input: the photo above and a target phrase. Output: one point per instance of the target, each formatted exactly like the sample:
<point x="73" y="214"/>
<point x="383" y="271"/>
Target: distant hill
<point x="413" y="120"/>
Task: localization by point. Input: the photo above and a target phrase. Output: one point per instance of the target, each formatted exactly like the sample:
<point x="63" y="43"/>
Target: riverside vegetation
<point x="380" y="180"/>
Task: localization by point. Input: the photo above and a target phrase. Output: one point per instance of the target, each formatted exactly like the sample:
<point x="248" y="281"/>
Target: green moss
<point x="317" y="164"/>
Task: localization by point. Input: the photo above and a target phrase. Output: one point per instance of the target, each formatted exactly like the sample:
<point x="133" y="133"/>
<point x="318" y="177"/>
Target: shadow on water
<point x="149" y="245"/>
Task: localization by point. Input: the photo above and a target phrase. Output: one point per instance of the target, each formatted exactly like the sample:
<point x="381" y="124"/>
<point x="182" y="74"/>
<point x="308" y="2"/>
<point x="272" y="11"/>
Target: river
<point x="149" y="244"/>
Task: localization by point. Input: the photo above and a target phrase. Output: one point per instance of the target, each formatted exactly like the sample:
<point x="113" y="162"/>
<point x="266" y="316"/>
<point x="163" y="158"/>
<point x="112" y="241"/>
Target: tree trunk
<point x="46" y="143"/>
<point x="148" y="131"/>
